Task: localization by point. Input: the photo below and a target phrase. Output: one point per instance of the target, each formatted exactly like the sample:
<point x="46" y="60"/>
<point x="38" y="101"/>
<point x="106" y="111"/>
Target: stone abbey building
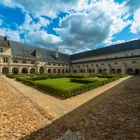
<point x="19" y="58"/>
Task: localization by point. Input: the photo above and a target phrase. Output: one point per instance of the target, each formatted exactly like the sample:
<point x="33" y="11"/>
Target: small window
<point x="134" y="62"/>
<point x="24" y="62"/>
<point x="32" y="62"/>
<point x="115" y="63"/>
<point x="5" y="60"/>
<point x="1" y="50"/>
<point x="15" y="61"/>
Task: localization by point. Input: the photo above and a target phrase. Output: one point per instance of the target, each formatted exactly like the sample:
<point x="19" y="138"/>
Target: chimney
<point x="56" y="53"/>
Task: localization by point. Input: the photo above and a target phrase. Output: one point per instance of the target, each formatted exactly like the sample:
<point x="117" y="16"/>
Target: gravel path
<point x="113" y="115"/>
<point x="19" y="116"/>
<point x="110" y="112"/>
<point x="56" y="106"/>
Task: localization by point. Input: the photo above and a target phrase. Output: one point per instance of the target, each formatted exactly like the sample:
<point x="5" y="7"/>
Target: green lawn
<point x="60" y="83"/>
<point x="66" y="85"/>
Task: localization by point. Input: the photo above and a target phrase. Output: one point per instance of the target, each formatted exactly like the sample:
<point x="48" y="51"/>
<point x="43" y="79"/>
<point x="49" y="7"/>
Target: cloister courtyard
<point x="109" y="110"/>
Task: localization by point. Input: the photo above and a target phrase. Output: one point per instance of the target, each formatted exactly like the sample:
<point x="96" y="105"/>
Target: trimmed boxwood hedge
<point x="65" y="93"/>
<point x="78" y="78"/>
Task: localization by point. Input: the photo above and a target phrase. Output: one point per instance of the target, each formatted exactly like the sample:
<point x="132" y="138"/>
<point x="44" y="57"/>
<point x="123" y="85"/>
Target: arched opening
<point x="93" y="70"/>
<point x="66" y="71"/>
<point x="130" y="71"/>
<point x="113" y="71"/>
<point x="41" y="70"/>
<point x="24" y="71"/>
<point x="89" y="71"/>
<point x="15" y="70"/>
<point x="62" y="70"/>
<point x="32" y="71"/>
<point x="49" y="70"/>
<point x="54" y="70"/>
<point x="119" y="71"/>
<point x="100" y="71"/>
<point x="81" y="71"/>
<point x="5" y="70"/>
<point x="104" y="71"/>
<point x="59" y="71"/>
<point x="137" y="72"/>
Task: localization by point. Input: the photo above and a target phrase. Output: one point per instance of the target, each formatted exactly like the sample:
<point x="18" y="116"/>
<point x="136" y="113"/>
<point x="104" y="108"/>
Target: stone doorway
<point x="137" y="72"/>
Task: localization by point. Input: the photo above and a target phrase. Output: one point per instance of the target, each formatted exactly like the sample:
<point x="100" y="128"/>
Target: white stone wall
<point x="105" y="66"/>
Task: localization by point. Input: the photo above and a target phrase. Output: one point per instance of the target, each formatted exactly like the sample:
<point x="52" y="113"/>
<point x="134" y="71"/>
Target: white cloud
<point x="35" y="35"/>
<point x="96" y="25"/>
<point x="47" y="7"/>
<point x="135" y="28"/>
<point x="43" y="39"/>
<point x="12" y="35"/>
<point x="30" y="25"/>
<point x="88" y="23"/>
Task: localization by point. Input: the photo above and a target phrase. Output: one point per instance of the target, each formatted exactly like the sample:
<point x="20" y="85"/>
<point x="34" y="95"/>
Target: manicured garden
<point x="66" y="85"/>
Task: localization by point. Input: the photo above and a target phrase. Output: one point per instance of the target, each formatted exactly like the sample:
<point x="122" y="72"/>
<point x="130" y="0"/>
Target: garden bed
<point x="66" y="85"/>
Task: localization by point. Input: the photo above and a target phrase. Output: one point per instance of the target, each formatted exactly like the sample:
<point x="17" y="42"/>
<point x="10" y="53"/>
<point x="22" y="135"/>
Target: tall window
<point x="1" y="50"/>
<point x="5" y="60"/>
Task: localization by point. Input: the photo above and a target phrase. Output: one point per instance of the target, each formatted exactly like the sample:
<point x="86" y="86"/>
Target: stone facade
<point x="117" y="62"/>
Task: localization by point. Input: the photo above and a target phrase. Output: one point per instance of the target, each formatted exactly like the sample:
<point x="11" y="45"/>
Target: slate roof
<point x="127" y="46"/>
<point x="20" y="50"/>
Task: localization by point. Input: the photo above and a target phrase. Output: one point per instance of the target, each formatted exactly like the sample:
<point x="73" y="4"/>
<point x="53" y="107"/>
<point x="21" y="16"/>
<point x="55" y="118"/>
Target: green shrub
<point x="87" y="83"/>
<point x="11" y="75"/>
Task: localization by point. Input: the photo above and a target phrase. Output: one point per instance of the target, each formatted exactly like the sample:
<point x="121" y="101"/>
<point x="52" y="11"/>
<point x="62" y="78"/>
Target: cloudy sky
<point x="70" y="25"/>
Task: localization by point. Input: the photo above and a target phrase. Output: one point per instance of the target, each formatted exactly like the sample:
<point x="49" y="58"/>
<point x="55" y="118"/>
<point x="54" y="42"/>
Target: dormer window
<point x="134" y="62"/>
<point x="115" y="63"/>
<point x="24" y="62"/>
<point x="1" y="50"/>
<point x="56" y="53"/>
<point x="38" y="53"/>
<point x="32" y="62"/>
<point x="15" y="61"/>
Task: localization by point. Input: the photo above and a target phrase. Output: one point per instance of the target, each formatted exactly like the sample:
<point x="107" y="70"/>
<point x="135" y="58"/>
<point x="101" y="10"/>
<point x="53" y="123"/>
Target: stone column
<point x="108" y="68"/>
<point x="38" y="72"/>
<point x="28" y="70"/>
<point x="123" y="68"/>
<point x="10" y="70"/>
<point x="96" y="69"/>
<point x="20" y="70"/>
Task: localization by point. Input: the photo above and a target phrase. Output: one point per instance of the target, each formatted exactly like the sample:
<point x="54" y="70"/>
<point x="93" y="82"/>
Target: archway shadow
<point x="62" y="124"/>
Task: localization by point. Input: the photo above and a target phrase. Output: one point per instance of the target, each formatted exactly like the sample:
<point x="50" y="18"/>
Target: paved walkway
<point x="58" y="107"/>
<point x="113" y="115"/>
<point x="25" y="110"/>
<point x="19" y="116"/>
